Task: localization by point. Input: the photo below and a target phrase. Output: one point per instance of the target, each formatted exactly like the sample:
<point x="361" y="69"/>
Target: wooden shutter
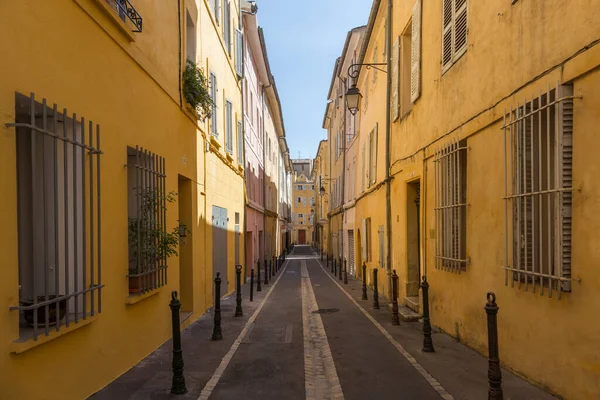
<point x="566" y="181"/>
<point x="415" y="53"/>
<point x="239" y="53"/>
<point x="213" y="95"/>
<point x="240" y="141"/>
<point x="396" y="79"/>
<point x="362" y="185"/>
<point x="217" y="10"/>
<point x="229" y="127"/>
<point x="460" y="28"/>
<point x="373" y="155"/>
<point x="447" y="32"/>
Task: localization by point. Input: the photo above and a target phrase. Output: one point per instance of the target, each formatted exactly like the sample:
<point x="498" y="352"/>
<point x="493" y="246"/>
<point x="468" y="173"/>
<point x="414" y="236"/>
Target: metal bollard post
<point x="252" y="284"/>
<point x="178" y="384"/>
<point x="321" y="255"/>
<point x="395" y="316"/>
<point x="364" y="279"/>
<point x="341" y="267"/>
<point x="266" y="272"/>
<point x="427" y="341"/>
<point x="375" y="290"/>
<point x="273" y="266"/>
<point x="494" y="372"/>
<point x="258" y="287"/>
<point x="238" y="298"/>
<point x="345" y="273"/>
<point x="334" y="267"/>
<point x="217" y="333"/>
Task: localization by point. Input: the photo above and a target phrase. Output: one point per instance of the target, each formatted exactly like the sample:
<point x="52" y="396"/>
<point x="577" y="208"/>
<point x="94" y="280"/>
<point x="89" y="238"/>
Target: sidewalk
<point x="151" y="378"/>
<point x="459" y="369"/>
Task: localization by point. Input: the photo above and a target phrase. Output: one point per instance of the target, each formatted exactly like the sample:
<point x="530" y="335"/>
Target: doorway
<point x="413" y="242"/>
<point x="219" y="253"/>
<point x="186" y="270"/>
<point x="301" y="236"/>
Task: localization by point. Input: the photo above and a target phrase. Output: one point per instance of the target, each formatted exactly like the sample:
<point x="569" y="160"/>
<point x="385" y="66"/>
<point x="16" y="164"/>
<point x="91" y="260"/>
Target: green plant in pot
<point x="150" y="244"/>
<point x="196" y="91"/>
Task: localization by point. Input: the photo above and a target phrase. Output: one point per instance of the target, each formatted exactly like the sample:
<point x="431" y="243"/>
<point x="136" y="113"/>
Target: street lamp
<point x="353" y="95"/>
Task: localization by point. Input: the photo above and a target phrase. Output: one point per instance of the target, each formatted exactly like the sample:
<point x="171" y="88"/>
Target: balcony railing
<point x="126" y="10"/>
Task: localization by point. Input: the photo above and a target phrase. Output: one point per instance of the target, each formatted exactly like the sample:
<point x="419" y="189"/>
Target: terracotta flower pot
<point x="41" y="311"/>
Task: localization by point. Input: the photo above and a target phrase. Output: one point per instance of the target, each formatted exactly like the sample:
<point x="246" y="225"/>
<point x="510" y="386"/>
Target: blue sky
<point x="303" y="39"/>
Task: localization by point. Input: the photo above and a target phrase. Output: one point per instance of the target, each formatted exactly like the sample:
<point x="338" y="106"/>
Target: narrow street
<point x="308" y="336"/>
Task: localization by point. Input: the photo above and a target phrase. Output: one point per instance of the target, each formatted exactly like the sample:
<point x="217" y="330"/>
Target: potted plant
<point x="196" y="91"/>
<point x="41" y="311"/>
<point x="150" y="244"/>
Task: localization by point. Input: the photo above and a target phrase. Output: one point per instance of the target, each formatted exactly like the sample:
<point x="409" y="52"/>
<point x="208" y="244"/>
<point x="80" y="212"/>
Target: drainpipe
<point x="388" y="136"/>
<point x="343" y="168"/>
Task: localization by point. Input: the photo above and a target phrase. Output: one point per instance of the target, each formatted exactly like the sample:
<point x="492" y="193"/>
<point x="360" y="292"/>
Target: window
<point x="312" y="201"/>
<point x="227" y="26"/>
<point x="450" y="206"/>
<point x="229" y="127"/>
<point x="240" y="141"/>
<point x="58" y="217"/>
<point x="190" y="37"/>
<point x="125" y="10"/>
<point x="454" y="31"/>
<point x="364" y="169"/>
<point x="299" y="200"/>
<point x="147" y="218"/>
<point x="213" y="96"/>
<point x="539" y="160"/>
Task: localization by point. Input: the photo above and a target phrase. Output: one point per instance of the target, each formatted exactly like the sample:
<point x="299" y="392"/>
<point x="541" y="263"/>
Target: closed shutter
<point x="460" y="28"/>
<point x="566" y="181"/>
<point x="447" y="28"/>
<point x="227" y="26"/>
<point x="396" y="79"/>
<point x="351" y="261"/>
<point x="373" y="173"/>
<point x="217" y="10"/>
<point x="239" y="53"/>
<point x="229" y="127"/>
<point x="240" y="141"/>
<point x="415" y="58"/>
<point x="213" y="95"/>
<point x="362" y="185"/>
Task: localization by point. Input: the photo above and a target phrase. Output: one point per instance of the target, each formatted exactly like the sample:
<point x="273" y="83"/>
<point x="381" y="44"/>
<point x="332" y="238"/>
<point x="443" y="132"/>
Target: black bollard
<point x="341" y="267"/>
<point x="258" y="287"/>
<point x="252" y="284"/>
<point x="321" y="255"/>
<point x="266" y="272"/>
<point x="217" y="333"/>
<point x="375" y="290"/>
<point x="364" y="279"/>
<point x="395" y="316"/>
<point x="345" y="273"/>
<point x="274" y="266"/>
<point x="238" y="288"/>
<point x="334" y="267"/>
<point x="330" y="263"/>
<point x="427" y="341"/>
<point x="494" y="373"/>
<point x="178" y="384"/>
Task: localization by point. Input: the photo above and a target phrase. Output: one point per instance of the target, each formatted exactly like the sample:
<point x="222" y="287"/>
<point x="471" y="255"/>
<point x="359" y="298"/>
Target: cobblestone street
<point x="308" y="335"/>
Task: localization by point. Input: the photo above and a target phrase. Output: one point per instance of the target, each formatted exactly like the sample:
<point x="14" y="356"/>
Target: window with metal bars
<point x="538" y="136"/>
<point x="450" y="176"/>
<point x="125" y="10"/>
<point x="454" y="31"/>
<point x="149" y="242"/>
<point x="59" y="219"/>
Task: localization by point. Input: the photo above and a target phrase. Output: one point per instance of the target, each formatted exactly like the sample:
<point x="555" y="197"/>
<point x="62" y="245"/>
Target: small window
<point x="451" y="206"/>
<point x="58" y="217"/>
<point x="227" y="26"/>
<point x="539" y="164"/>
<point x="190" y="37"/>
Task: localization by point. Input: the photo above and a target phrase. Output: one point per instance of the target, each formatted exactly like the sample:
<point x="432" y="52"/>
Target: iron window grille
<point x="538" y="152"/>
<point x="59" y="217"/>
<point x="450" y="177"/>
<point x="147" y="222"/>
<point x="125" y="10"/>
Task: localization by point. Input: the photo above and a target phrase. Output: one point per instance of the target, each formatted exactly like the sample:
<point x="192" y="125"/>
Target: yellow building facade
<point x="92" y="114"/>
<point x="320" y="177"/>
<point x="492" y="174"/>
<point x="303" y="208"/>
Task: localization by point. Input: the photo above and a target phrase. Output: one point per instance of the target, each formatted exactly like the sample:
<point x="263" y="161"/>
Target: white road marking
<point x="214" y="380"/>
<point x="321" y="380"/>
<point x="430" y="379"/>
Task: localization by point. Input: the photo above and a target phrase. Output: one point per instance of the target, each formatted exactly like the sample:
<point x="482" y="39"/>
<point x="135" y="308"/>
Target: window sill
<point x="22" y="345"/>
<point x="214" y="142"/>
<point x="131" y="300"/>
<point x="229" y="156"/>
